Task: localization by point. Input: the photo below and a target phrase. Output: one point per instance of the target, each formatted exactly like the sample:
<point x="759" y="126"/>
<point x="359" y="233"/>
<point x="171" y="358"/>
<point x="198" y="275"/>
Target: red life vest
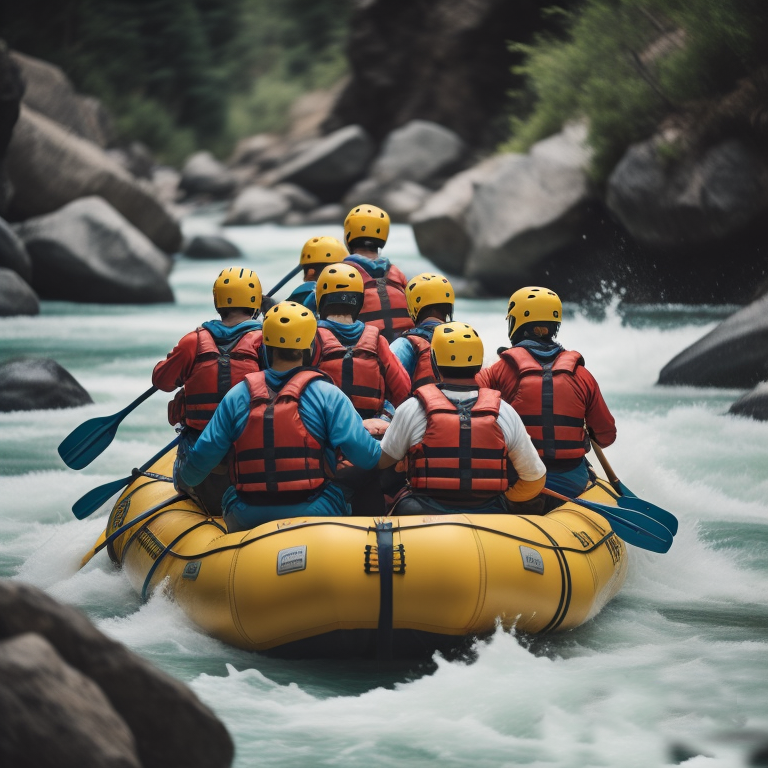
<point x="384" y="304"/>
<point x="357" y="370"/>
<point x="424" y="372"/>
<point x="277" y="460"/>
<point x="216" y="371"/>
<point x="550" y="407"/>
<point x="463" y="453"/>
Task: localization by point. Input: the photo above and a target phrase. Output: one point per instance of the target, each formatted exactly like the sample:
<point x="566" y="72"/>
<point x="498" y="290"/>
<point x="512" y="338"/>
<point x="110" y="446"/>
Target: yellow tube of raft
<point x="307" y="584"/>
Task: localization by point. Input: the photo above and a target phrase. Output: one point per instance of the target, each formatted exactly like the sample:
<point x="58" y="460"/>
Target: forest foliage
<point x="625" y="65"/>
<point x="184" y="74"/>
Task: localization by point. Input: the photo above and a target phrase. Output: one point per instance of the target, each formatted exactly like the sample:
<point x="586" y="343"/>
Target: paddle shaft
<point x="612" y="477"/>
<point x="634" y="527"/>
<point x="295" y="271"/>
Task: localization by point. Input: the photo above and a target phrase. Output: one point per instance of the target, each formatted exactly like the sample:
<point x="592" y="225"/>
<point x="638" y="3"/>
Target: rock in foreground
<point x="168" y="723"/>
<point x="38" y="383"/>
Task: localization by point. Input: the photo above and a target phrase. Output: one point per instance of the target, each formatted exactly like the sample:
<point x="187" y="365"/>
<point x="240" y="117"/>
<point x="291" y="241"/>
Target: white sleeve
<point x="407" y="428"/>
<point x="521" y="452"/>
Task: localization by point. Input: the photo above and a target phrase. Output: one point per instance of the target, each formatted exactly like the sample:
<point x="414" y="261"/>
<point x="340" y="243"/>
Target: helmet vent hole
<point x="526" y="313"/>
<point x="469" y="359"/>
<point x="229" y="301"/>
<point x="251" y="285"/>
<point x="284" y="320"/>
<point x="556" y="313"/>
<point x="253" y="299"/>
<point x="282" y="340"/>
<point x="226" y="281"/>
<point x="453" y="357"/>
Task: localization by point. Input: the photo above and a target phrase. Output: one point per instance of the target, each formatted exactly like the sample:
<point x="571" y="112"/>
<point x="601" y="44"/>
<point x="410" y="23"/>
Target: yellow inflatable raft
<point x="401" y="586"/>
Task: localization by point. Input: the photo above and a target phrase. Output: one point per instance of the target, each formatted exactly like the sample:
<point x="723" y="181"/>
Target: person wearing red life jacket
<point x="317" y="253"/>
<point x="430" y="300"/>
<point x="208" y="362"/>
<point x="284" y="425"/>
<point x="557" y="398"/>
<point x="466" y="449"/>
<point x="358" y="359"/>
<point x="366" y="230"/>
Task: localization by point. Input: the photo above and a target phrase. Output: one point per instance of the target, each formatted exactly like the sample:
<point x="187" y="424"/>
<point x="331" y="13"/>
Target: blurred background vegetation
<point x="625" y="65"/>
<point x="181" y="75"/>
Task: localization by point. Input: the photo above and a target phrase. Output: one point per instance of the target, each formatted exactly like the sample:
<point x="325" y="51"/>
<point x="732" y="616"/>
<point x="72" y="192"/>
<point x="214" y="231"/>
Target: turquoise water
<point x="674" y="668"/>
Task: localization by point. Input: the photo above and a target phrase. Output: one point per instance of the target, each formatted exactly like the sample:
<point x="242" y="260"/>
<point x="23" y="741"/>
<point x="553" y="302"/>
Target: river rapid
<point x="674" y="670"/>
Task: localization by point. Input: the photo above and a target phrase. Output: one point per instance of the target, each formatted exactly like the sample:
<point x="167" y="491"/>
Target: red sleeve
<point x="396" y="377"/>
<point x="599" y="420"/>
<point x="499" y="376"/>
<point x="177" y="366"/>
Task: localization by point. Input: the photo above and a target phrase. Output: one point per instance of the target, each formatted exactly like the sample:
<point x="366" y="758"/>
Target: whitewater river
<point x="674" y="670"/>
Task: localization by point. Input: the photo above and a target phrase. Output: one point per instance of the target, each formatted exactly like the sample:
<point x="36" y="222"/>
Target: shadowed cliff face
<point x="441" y="60"/>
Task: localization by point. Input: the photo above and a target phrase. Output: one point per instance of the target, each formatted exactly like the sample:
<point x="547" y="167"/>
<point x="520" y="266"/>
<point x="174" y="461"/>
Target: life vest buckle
<point x="371" y="564"/>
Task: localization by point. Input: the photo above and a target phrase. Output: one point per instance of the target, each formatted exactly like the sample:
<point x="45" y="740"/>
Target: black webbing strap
<point x="384" y="631"/>
<point x="224" y="376"/>
<point x="270" y="463"/>
<point x="548" y="412"/>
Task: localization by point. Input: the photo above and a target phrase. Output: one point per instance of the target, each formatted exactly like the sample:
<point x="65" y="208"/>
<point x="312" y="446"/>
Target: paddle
<point x="630" y="501"/>
<point x="103" y="539"/>
<point x="633" y="527"/>
<point x="81" y="446"/>
<point x="88" y="504"/>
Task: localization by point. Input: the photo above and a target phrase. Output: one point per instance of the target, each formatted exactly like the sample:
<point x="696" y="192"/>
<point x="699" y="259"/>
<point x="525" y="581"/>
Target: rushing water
<point x="674" y="669"/>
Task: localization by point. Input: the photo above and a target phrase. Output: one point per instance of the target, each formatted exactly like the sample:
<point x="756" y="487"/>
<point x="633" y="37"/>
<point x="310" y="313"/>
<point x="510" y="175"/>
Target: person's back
<point x="366" y="230"/>
<point x="361" y="364"/>
<point x="558" y="400"/>
<point x="430" y="299"/>
<point x="466" y="449"/>
<point x="284" y="425"/>
<point x="209" y="361"/>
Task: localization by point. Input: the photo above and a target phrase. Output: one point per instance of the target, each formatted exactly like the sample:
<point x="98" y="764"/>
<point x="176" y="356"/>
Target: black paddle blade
<point x="84" y="443"/>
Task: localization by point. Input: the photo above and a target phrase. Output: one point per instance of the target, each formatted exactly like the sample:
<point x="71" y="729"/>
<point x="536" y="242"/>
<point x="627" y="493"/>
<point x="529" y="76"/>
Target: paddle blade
<point x="97" y="547"/>
<point x="84" y="443"/>
<point x="644" y="534"/>
<point x="667" y="519"/>
<point x="88" y="504"/>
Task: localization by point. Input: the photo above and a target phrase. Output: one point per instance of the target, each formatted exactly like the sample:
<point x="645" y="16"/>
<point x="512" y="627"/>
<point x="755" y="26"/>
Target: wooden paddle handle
<point x="604" y="463"/>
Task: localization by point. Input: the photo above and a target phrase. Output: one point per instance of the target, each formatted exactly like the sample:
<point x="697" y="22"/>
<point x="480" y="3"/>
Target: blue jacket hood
<point x="225" y="334"/>
<point x="346" y="334"/>
<point x="377" y="268"/>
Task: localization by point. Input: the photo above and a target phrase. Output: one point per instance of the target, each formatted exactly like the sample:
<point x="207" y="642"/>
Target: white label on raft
<point x="532" y="560"/>
<point x="290" y="560"/>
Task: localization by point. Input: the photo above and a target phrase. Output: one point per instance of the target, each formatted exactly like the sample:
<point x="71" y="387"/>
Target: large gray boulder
<point x="203" y="174"/>
<point x="329" y="166"/>
<point x="735" y="354"/>
<point x="679" y="203"/>
<point x="50" y="92"/>
<point x="88" y="252"/>
<point x="440" y="225"/>
<point x="419" y="151"/>
<point x="49" y="167"/>
<point x="257" y="205"/>
<point x="16" y="297"/>
<point x="169" y="724"/>
<point x="528" y="208"/>
<point x="51" y="715"/>
<point x="38" y="383"/>
<point x="13" y="255"/>
<point x="753" y="404"/>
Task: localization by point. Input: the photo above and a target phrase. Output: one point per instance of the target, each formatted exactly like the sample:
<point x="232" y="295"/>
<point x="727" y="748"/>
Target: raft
<point x="390" y="587"/>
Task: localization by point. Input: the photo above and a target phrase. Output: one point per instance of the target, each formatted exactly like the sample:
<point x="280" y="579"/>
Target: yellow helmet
<point x="456" y="345"/>
<point x="533" y="304"/>
<point x="340" y="284"/>
<point x="237" y="287"/>
<point x="322" y="250"/>
<point x="366" y="221"/>
<point x="426" y="289"/>
<point x="290" y="326"/>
